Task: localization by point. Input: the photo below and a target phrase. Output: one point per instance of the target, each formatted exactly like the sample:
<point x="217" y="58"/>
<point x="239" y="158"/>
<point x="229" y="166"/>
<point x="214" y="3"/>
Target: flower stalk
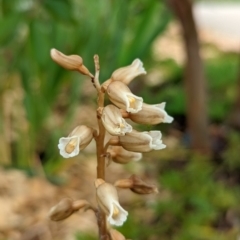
<point x="101" y="217"/>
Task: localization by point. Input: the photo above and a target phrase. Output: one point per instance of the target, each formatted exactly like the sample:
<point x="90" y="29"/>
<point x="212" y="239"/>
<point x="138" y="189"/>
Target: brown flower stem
<point x="101" y="217"/>
<point x="114" y="141"/>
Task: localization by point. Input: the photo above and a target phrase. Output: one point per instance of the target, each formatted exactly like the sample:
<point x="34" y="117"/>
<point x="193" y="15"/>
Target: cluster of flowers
<point x="126" y="143"/>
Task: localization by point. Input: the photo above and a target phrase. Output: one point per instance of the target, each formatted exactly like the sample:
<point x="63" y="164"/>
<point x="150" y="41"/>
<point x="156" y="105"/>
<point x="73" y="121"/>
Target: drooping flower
<point x="128" y="73"/>
<point x="77" y="140"/>
<point x="120" y="95"/>
<point x="122" y="156"/>
<point x="142" y="141"/>
<point x="151" y="114"/>
<point x="107" y="199"/>
<point x="113" y="121"/>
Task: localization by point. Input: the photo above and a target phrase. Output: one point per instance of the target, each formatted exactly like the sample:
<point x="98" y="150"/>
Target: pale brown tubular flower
<point x="70" y="62"/>
<point x="120" y="95"/>
<point x="122" y="156"/>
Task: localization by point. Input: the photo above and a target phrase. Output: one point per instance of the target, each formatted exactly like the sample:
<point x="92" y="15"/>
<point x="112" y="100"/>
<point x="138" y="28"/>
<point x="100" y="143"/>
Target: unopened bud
<point x="62" y="210"/>
<point x="71" y="62"/>
<point x="66" y="207"/>
<point x="136" y="185"/>
<point x="80" y="204"/>
<point x="115" y="235"/>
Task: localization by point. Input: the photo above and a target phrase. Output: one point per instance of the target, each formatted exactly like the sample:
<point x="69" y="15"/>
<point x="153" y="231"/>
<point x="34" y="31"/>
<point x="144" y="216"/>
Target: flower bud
<point x="107" y="199"/>
<point x="71" y="62"/>
<point x="113" y="121"/>
<point x="142" y="141"/>
<point x="128" y="73"/>
<point x="80" y="204"/>
<point x="136" y="185"/>
<point x="62" y="210"/>
<point x="116" y="235"/>
<point x="120" y="95"/>
<point x="67" y="207"/>
<point x="151" y="114"/>
<point x="77" y="140"/>
<point x="120" y="155"/>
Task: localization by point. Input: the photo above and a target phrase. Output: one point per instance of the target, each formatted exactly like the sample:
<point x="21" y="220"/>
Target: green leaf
<point x="40" y="42"/>
<point x="60" y="9"/>
<point x="8" y="27"/>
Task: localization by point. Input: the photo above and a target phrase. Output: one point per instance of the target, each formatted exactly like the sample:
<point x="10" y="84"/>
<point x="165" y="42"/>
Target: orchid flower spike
<point x="128" y="73"/>
<point x="142" y="141"/>
<point x="151" y="114"/>
<point x="77" y="140"/>
<point x="107" y="199"/>
<point x="122" y="156"/>
<point x="120" y="95"/>
<point x="113" y="121"/>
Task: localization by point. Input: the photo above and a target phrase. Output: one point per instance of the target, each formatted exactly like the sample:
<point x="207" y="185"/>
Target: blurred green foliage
<point x="118" y="31"/>
<point x="199" y="197"/>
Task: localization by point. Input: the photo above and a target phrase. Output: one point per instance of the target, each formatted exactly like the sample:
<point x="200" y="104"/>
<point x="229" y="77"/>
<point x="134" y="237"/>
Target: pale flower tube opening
<point x="120" y="95"/>
<point x="77" y="140"/>
<point x="113" y="121"/>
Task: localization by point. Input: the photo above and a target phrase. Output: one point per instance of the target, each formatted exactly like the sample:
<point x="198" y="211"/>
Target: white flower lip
<point x="137" y="63"/>
<point x="63" y="143"/>
<point x="119" y="218"/>
<point x="113" y="121"/>
<point x="77" y="140"/>
<point x="133" y="103"/>
<point x="161" y="109"/>
<point x="156" y="142"/>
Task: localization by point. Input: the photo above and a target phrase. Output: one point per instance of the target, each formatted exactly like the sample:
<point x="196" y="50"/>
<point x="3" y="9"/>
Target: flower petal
<point x="113" y="121"/>
<point x="120" y="95"/>
<point x="64" y="141"/>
